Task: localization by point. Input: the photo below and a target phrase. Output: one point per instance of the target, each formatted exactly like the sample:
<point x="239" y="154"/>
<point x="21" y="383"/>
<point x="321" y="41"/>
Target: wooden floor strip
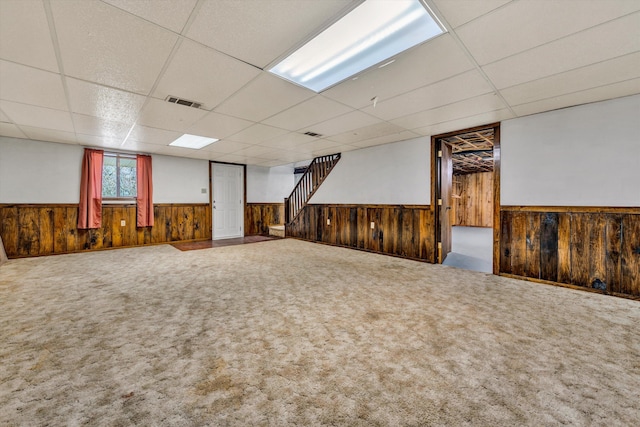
<point x="208" y="244"/>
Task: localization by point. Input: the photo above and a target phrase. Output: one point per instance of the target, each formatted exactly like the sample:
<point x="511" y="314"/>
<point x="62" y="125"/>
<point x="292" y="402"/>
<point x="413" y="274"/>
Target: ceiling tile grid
<point x="103" y="44"/>
<point x="97" y="73"/>
<point x="25" y="36"/>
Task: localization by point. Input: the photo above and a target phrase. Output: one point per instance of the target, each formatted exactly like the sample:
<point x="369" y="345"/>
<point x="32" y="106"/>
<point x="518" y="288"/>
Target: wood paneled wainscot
<point x="594" y="248"/>
<point x="405" y="231"/>
<point x="259" y="216"/>
<point x="473" y="199"/>
<point x="30" y="230"/>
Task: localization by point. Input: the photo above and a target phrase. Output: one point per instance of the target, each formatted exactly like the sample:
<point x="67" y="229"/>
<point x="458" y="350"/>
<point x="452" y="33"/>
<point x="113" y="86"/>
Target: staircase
<point x="316" y="172"/>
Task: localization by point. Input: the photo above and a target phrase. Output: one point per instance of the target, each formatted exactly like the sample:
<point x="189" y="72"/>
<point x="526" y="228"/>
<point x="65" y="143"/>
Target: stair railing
<point x="316" y="172"/>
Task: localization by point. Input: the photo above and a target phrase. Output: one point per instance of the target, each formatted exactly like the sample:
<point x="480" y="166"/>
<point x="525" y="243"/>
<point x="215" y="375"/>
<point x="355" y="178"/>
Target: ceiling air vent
<point x="317" y="135"/>
<point x="185" y="102"/>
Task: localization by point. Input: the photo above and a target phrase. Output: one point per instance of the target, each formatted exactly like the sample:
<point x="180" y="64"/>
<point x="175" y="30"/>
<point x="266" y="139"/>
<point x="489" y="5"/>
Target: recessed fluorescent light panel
<point x="193" y="141"/>
<point x="371" y="33"/>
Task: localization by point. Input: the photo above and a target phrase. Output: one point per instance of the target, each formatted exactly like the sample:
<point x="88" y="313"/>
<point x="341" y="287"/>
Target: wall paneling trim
<point x="593" y="248"/>
<point x="401" y="230"/>
<point x="259" y="216"/>
<point x="45" y="229"/>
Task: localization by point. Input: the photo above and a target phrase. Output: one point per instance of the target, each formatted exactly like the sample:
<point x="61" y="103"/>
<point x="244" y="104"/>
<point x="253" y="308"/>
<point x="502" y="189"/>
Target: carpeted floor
<point x="287" y="332"/>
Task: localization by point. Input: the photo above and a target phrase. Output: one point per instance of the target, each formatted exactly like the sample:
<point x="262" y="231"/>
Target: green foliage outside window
<point x="119" y="178"/>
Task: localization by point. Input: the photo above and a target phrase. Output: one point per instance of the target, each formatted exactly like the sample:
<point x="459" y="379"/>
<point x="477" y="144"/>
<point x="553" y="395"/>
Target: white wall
<point x="39" y="172"/>
<point x="269" y="185"/>
<point x="47" y="172"/>
<point x="180" y="180"/>
<point x="397" y="173"/>
<point x="582" y="156"/>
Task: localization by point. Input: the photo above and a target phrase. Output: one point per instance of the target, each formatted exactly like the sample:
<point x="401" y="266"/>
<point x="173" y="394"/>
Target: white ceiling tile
<point x="522" y="25"/>
<point x="257" y="133"/>
<point x="463" y="86"/>
<point x="594" y="45"/>
<point x="288" y="156"/>
<point x="466" y="122"/>
<point x="24" y="34"/>
<point x="243" y="160"/>
<point x="3" y="117"/>
<point x="604" y="73"/>
<point x="104" y="102"/>
<point x="11" y="130"/>
<point x="367" y="132"/>
<point x="255" y="151"/>
<point x="39" y="117"/>
<point x="201" y="74"/>
<point x="164" y="115"/>
<point x="99" y="141"/>
<point x="386" y="139"/>
<point x="428" y="63"/>
<point x="227" y="147"/>
<point x="218" y="126"/>
<point x="52" y="135"/>
<point x="171" y="14"/>
<point x="318" y="145"/>
<point x="263" y="97"/>
<point x="258" y="32"/>
<point x="307" y="113"/>
<point x="458" y="12"/>
<point x="183" y="152"/>
<point x="139" y="147"/>
<point x="344" y="123"/>
<point x="273" y="163"/>
<point x="289" y="141"/>
<point x="149" y="135"/>
<point x="602" y="93"/>
<point x="468" y="107"/>
<point x="106" y="45"/>
<point x="271" y="154"/>
<point x="90" y="125"/>
<point x="333" y="150"/>
<point x="31" y="86"/>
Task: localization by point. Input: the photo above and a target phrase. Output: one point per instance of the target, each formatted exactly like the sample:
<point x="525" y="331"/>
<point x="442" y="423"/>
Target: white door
<point x="228" y="201"/>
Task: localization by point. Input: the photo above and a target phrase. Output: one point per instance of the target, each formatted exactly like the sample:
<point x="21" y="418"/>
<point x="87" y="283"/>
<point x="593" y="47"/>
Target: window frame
<point x="118" y="156"/>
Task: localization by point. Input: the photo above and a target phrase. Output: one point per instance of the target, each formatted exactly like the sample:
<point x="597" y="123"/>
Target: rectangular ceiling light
<point x="371" y="33"/>
<point x="193" y="141"/>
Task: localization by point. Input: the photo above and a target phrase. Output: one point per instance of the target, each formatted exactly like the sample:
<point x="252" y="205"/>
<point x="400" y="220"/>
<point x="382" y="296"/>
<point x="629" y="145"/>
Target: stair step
<point x="276" y="230"/>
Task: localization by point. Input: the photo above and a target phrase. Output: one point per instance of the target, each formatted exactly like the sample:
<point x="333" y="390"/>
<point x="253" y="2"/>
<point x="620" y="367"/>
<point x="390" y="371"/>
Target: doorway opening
<point x="227" y="200"/>
<point x="467" y="191"/>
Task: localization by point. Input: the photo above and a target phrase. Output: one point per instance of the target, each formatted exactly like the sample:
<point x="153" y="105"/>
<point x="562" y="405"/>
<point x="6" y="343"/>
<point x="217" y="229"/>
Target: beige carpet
<point x="294" y="333"/>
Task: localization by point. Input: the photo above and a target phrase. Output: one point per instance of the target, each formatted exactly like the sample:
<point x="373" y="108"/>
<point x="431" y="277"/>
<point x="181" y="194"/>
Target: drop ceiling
<point x="472" y="152"/>
<point x="97" y="73"/>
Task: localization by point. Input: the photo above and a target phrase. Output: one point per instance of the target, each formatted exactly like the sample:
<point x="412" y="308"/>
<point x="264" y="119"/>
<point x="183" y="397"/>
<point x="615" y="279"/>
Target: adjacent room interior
<point x="319" y="212"/>
<point x="471" y="200"/>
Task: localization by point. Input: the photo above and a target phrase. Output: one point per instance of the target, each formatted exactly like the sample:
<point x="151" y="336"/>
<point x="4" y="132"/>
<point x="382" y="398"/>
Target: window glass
<point x="119" y="178"/>
<point x="128" y="177"/>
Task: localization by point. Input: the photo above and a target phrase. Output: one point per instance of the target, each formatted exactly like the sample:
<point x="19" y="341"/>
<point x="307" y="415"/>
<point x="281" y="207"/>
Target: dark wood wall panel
<point x="591" y="248"/>
<point x="31" y="230"/>
<point x="406" y="231"/>
<point x="473" y="202"/>
<point x="259" y="216"/>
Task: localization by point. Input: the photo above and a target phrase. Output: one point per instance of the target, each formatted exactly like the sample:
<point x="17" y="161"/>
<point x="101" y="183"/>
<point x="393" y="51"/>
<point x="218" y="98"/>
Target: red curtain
<point x="90" y="209"/>
<point x="144" y="200"/>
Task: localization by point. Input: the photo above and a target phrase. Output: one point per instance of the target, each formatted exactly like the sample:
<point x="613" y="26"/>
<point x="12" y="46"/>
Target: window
<point x="119" y="177"/>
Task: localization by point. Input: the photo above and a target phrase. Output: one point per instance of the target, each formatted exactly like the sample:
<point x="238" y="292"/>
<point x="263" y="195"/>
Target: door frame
<point x="244" y="194"/>
<point x="436" y="186"/>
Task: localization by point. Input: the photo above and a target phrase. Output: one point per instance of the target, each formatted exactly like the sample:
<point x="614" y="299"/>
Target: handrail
<point x="313" y="176"/>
